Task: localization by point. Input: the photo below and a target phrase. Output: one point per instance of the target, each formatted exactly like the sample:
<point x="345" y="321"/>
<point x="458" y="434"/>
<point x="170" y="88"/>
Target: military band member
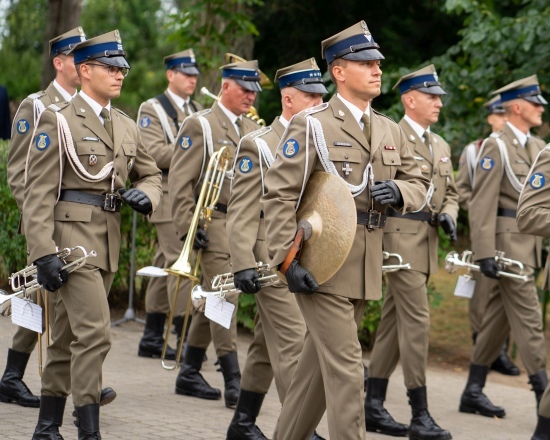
<point x="532" y="218"/>
<point x="199" y="137"/>
<point x="279" y="327"/>
<point x="496" y="118"/>
<point x="500" y="174"/>
<point x="77" y="205"/>
<point x="403" y="332"/>
<point x="159" y="121"/>
<point x="62" y="89"/>
<point x="358" y="145"/>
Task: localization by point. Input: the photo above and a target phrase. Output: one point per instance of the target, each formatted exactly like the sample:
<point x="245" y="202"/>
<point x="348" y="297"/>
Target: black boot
<point x="12" y="387"/>
<point x="87" y="422"/>
<point x="190" y="382"/>
<point x="423" y="426"/>
<point x="229" y="364"/>
<point x="503" y="364"/>
<point x="542" y="431"/>
<point x="153" y="338"/>
<point x="107" y="396"/>
<point x="377" y="418"/>
<point x="243" y="425"/>
<point x="538" y="382"/>
<point x="473" y="400"/>
<point x="50" y="418"/>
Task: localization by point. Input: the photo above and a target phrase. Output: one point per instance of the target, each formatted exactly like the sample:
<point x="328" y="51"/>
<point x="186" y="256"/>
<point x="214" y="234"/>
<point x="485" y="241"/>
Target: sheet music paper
<point x="219" y="310"/>
<point x="26" y="314"/>
<point x="465" y="286"/>
<point x="152" y="271"/>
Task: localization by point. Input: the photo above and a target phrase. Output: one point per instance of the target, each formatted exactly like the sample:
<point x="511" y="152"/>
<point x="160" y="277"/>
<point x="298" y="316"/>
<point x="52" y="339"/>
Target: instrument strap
<point x="162" y="118"/>
<point x="168" y="108"/>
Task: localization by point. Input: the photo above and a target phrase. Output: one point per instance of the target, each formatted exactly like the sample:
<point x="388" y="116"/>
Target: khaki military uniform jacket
<point x="493" y="190"/>
<point x="361" y="275"/>
<point x="245" y="222"/>
<point x="464" y="174"/>
<point x="21" y="133"/>
<point x="160" y="147"/>
<point x="189" y="163"/>
<point x="417" y="241"/>
<point x="49" y="224"/>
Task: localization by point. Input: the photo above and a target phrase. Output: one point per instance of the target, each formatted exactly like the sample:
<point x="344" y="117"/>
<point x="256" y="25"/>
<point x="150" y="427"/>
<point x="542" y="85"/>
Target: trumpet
<point x="224" y="283"/>
<point x="252" y="113"/>
<point x="386" y="268"/>
<point x="453" y="260"/>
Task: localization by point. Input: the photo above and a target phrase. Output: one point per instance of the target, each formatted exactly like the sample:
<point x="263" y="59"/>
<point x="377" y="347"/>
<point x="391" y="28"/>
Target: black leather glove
<point x="201" y="239"/>
<point x="137" y="200"/>
<point x="300" y="280"/>
<point x="386" y="192"/>
<point x="448" y="225"/>
<point x="247" y="280"/>
<point x="50" y="276"/>
<point x="489" y="267"/>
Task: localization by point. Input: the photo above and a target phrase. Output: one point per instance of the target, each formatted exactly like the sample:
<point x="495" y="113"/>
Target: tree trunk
<point x="63" y="15"/>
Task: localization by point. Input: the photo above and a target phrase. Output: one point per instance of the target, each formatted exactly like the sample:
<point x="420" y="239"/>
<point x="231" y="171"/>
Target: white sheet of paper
<point x="26" y="314"/>
<point x="152" y="271"/>
<point x="465" y="286"/>
<point x="219" y="310"/>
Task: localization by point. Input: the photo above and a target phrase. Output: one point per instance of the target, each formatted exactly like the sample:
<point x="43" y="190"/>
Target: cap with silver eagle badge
<point x="424" y="80"/>
<point x="494" y="106"/>
<point x="525" y="88"/>
<point x="305" y="76"/>
<point x="246" y="74"/>
<point x="62" y="44"/>
<point x="106" y="49"/>
<point x="354" y="43"/>
<point x="184" y="62"/>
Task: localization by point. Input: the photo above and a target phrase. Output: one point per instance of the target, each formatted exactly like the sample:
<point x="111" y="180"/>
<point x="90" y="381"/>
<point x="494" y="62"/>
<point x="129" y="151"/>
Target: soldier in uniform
<point x="532" y="218"/>
<point x="199" y="137"/>
<point x="369" y="153"/>
<point x="76" y="204"/>
<point x="503" y="165"/>
<point x="159" y="121"/>
<point x="496" y="118"/>
<point x="403" y="331"/>
<point x="61" y="89"/>
<point x="279" y="327"/>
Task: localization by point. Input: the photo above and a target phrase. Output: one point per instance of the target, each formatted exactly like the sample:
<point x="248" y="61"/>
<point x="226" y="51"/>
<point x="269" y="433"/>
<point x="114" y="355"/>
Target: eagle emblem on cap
<point x="117" y="36"/>
<point x="537" y="181"/>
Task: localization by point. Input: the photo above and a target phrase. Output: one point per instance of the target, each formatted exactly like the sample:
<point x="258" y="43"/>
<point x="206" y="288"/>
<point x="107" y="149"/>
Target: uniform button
<point x="435" y="189"/>
<point x="67" y="215"/>
<point x="346" y="157"/>
<point x="392" y="161"/>
<point x="397" y="229"/>
<point x="408" y="209"/>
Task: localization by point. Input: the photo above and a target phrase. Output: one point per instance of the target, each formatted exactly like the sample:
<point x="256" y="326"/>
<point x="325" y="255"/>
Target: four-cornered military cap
<point x="64" y="43"/>
<point x="304" y="76"/>
<point x="183" y="61"/>
<point x="247" y="74"/>
<point x="424" y="80"/>
<point x="106" y="48"/>
<point x="526" y="88"/>
<point x="494" y="105"/>
<point x="354" y="43"/>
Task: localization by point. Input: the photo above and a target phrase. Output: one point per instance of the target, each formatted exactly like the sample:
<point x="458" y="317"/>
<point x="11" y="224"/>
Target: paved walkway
<point x="148" y="408"/>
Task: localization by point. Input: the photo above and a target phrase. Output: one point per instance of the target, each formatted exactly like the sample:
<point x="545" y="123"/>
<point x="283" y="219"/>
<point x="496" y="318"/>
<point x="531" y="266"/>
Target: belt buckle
<point x="111" y="203"/>
<point x="434" y="221"/>
<point x="375" y="219"/>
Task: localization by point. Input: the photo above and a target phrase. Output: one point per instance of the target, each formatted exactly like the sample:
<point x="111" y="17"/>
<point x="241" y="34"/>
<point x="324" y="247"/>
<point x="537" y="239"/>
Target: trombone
<point x="453" y="260"/>
<point x="208" y="198"/>
<point x="386" y="268"/>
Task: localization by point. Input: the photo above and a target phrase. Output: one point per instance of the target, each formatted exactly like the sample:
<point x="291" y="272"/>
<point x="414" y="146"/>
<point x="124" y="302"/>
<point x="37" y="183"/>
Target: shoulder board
<point x="496" y="134"/>
<point x="316" y="109"/>
<point x="382" y="114"/>
<point x="37" y="95"/>
<point x="121" y="112"/>
<point x="57" y="107"/>
<point x="547" y="147"/>
<point x="537" y="137"/>
<point x="259" y="133"/>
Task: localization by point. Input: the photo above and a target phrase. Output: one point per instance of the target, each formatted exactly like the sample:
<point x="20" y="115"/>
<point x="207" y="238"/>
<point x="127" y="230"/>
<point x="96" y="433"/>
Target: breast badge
<point x="389" y="147"/>
<point x="290" y="148"/>
<point x="486" y="163"/>
<point x="245" y="165"/>
<point x="537" y="181"/>
<point x="185" y="143"/>
<point x="42" y="141"/>
<point x="131" y="162"/>
<point x="93" y="160"/>
<point x="145" y="122"/>
<point x="444" y="159"/>
<point x="22" y="126"/>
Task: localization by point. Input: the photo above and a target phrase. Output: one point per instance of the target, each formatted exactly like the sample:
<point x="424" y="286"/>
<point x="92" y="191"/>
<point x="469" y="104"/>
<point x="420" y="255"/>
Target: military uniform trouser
<point x="81" y="337"/>
<point x="520" y="303"/>
<point x="403" y="332"/>
<point x="161" y="290"/>
<point x="202" y="329"/>
<point x="478" y="302"/>
<point x="329" y="374"/>
<point x="278" y="335"/>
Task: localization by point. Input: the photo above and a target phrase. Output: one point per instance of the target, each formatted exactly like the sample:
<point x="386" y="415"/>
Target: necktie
<point x="108" y="124"/>
<point x="528" y="150"/>
<point x="187" y="109"/>
<point x="239" y="124"/>
<point x="366" y="126"/>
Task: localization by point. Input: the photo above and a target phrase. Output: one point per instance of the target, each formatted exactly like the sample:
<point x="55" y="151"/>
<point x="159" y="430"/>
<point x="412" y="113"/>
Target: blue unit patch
<point x="245" y="165"/>
<point x="145" y="122"/>
<point x="290" y="148"/>
<point x="486" y="163"/>
<point x="537" y="181"/>
<point x="42" y="141"/>
<point x="185" y="142"/>
<point x="23" y="126"/>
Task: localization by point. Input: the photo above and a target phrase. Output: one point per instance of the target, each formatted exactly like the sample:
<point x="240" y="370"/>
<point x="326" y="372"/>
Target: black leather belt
<point x="430" y="217"/>
<point x="221" y="208"/>
<point x="371" y="219"/>
<point x="505" y="212"/>
<point x="107" y="202"/>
